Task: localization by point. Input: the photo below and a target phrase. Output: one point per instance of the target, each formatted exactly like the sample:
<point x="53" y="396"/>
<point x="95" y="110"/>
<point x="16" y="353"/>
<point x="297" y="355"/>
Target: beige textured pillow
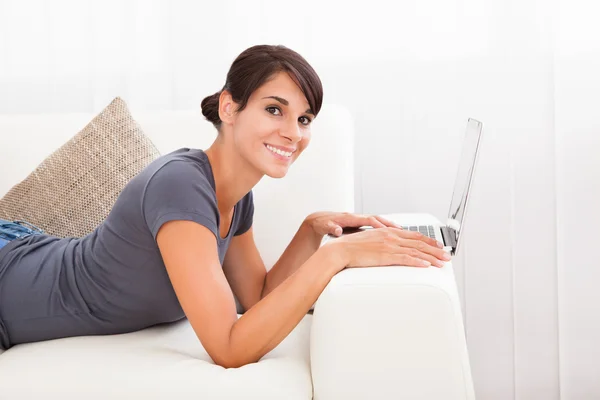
<point x="72" y="191"/>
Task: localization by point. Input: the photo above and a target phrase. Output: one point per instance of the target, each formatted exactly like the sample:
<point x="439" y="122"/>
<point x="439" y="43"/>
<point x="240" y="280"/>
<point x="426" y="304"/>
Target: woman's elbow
<point x="231" y="361"/>
<point x="230" y="364"/>
<point x="229" y="356"/>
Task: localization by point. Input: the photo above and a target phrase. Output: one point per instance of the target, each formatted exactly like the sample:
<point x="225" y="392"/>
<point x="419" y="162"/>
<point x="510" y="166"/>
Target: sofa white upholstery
<point x="409" y="324"/>
<point x="377" y="333"/>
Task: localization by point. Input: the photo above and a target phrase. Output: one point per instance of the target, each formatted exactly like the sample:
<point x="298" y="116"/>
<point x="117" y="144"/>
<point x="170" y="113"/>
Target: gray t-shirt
<point x="114" y="279"/>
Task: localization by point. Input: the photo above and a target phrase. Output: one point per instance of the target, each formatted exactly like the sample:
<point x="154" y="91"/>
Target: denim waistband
<point x="11" y="230"/>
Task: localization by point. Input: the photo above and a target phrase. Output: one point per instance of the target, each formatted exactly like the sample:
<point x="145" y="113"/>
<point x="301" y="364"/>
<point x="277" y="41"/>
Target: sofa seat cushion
<point x="162" y="362"/>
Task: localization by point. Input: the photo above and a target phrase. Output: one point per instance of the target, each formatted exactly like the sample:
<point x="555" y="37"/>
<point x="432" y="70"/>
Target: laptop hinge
<point x="449" y="236"/>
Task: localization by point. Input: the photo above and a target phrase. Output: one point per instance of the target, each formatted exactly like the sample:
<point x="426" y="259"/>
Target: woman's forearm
<point x="304" y="244"/>
<point x="270" y="320"/>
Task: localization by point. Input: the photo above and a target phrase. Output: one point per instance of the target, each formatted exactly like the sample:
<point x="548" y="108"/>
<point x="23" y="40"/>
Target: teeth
<point x="280" y="152"/>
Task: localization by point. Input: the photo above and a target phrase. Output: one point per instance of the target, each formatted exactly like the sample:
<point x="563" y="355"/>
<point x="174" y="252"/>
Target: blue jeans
<point x="11" y="230"/>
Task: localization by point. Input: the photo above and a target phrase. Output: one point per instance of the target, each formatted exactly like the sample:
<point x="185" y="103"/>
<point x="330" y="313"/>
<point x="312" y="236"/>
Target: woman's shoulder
<point x="177" y="178"/>
<point x="186" y="156"/>
<point x="182" y="166"/>
<point x="179" y="186"/>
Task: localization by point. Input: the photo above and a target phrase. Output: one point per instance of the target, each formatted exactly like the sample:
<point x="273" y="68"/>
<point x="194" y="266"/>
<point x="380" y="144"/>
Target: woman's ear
<point x="226" y="107"/>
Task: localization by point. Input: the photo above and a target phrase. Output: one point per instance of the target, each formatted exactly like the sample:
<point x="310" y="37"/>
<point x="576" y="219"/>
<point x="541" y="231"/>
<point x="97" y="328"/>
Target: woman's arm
<point x="304" y="244"/>
<point x="189" y="251"/>
<point x="308" y="239"/>
<point x="245" y="270"/>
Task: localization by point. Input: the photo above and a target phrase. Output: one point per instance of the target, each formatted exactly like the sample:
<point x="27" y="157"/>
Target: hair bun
<point x="210" y="108"/>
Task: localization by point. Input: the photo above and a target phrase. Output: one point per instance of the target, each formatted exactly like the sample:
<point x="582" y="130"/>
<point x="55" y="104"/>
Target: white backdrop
<point x="411" y="73"/>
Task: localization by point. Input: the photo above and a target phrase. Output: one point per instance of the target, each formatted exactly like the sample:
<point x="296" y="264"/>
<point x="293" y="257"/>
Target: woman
<point x="179" y="243"/>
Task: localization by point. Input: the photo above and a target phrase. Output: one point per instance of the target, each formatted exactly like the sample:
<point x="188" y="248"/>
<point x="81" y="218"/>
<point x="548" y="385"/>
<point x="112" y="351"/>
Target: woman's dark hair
<point x="254" y="67"/>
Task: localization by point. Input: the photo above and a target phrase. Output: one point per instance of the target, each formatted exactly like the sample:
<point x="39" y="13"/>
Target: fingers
<point x="364" y="220"/>
<point x="334" y="229"/>
<point x="421" y="255"/>
<point x="387" y="222"/>
<point x="403" y="234"/>
<point x="409" y="261"/>
<point x="419" y="236"/>
<point x="358" y="220"/>
<point x="438" y="253"/>
<point x="376" y="222"/>
<point x="406" y="256"/>
<point x="420" y="249"/>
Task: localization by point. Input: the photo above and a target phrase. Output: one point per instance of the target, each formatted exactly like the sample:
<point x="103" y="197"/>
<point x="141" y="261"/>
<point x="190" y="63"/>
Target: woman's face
<point x="274" y="128"/>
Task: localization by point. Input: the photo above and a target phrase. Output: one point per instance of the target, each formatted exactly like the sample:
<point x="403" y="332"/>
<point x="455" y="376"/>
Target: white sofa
<point x="377" y="333"/>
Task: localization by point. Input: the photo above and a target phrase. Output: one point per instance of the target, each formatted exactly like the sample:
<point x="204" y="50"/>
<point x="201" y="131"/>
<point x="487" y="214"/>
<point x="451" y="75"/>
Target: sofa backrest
<point x="321" y="179"/>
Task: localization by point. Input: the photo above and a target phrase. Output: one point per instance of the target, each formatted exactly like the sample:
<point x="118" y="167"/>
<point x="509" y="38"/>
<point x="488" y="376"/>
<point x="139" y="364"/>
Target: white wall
<point x="577" y="62"/>
<point x="411" y="73"/>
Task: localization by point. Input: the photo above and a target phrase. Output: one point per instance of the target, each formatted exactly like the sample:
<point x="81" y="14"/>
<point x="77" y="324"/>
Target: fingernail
<point x="439" y="264"/>
<point x="446" y="256"/>
<point x="440" y="245"/>
<point x="426" y="263"/>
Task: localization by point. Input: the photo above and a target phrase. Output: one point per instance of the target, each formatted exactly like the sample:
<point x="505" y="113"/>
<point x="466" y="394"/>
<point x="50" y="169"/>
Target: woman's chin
<point x="276" y="173"/>
<point x="272" y="170"/>
<point x="275" y="170"/>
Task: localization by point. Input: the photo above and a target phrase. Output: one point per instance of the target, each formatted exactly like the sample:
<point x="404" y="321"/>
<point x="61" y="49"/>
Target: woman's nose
<point x="292" y="132"/>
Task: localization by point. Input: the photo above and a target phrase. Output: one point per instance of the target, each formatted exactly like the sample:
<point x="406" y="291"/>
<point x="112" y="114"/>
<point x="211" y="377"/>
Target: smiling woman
<point x="179" y="242"/>
<point x="254" y="67"/>
<point x="275" y="125"/>
<point x="280" y="94"/>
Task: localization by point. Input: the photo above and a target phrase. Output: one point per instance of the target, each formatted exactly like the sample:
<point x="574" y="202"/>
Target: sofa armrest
<point x="390" y="333"/>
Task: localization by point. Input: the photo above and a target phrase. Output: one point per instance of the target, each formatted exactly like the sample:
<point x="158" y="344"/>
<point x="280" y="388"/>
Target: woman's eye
<point x="274" y="110"/>
<point x="305" y="120"/>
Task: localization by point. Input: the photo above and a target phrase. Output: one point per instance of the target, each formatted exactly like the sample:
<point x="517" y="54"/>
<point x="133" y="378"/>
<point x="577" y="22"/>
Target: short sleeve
<point x="179" y="190"/>
<point x="247" y="214"/>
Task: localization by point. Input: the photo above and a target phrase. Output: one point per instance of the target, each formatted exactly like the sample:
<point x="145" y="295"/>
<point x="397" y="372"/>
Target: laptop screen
<point x="464" y="176"/>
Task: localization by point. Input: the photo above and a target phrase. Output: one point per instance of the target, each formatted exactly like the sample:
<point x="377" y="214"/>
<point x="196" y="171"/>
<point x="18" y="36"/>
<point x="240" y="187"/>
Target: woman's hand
<point x="332" y="223"/>
<point x="388" y="246"/>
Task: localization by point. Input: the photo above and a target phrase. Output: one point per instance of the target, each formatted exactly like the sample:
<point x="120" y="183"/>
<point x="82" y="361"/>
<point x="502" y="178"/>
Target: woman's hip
<point x="12" y="230"/>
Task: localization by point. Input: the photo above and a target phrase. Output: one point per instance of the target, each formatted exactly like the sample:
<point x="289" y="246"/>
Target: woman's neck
<point x="234" y="178"/>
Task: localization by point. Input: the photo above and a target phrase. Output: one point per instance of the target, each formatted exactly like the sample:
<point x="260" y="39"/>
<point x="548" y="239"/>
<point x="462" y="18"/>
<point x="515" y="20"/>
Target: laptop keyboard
<point x="426" y="230"/>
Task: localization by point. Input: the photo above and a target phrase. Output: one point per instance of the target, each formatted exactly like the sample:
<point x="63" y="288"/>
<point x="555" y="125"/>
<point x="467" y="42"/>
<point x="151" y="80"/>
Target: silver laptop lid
<point x="464" y="176"/>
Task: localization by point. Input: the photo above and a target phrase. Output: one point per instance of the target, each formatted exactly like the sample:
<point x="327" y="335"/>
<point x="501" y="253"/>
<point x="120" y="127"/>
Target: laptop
<point x="450" y="233"/>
